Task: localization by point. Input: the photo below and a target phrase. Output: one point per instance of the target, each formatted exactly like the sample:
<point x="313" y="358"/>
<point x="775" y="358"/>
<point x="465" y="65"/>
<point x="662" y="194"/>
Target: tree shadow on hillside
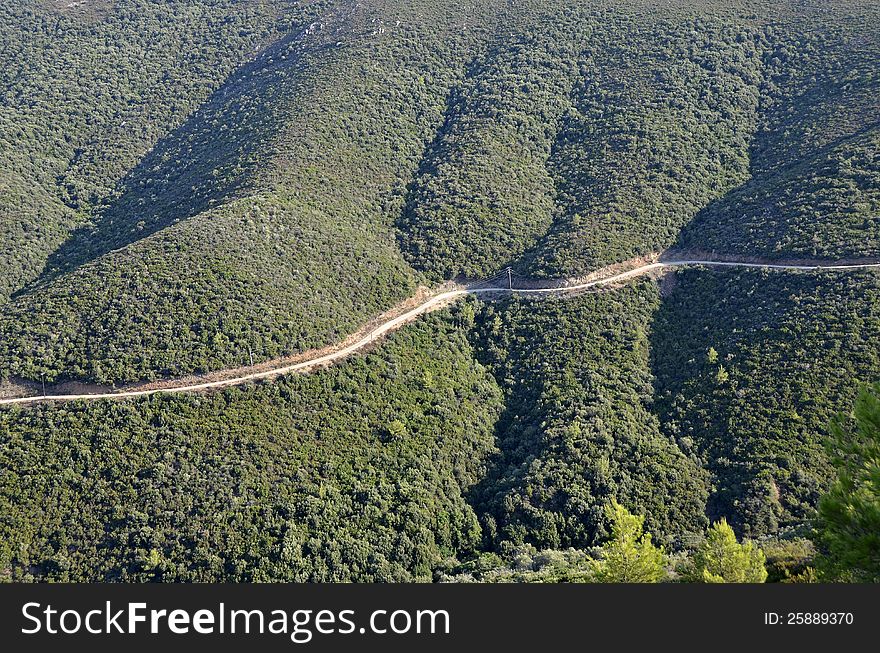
<point x="807" y="208"/>
<point x="795" y="203"/>
<point x="215" y="154"/>
<point x="408" y="222"/>
<point x="728" y="389"/>
<point x="577" y="429"/>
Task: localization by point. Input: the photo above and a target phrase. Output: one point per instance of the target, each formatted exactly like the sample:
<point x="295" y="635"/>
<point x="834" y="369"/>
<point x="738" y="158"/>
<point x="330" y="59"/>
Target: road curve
<point x="431" y="304"/>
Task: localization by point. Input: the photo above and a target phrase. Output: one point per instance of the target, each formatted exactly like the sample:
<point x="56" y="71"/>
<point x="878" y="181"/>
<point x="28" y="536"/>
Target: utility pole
<point x="43" y="379"/>
<point x="251" y="355"/>
<point x="509" y="278"/>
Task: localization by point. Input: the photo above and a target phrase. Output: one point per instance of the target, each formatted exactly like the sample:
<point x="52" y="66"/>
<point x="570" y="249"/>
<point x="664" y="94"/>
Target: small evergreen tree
<point x="396" y="430"/>
<point x="712" y="356"/>
<point x="629" y="557"/>
<point x="721" y="559"/>
<point x="849" y="514"/>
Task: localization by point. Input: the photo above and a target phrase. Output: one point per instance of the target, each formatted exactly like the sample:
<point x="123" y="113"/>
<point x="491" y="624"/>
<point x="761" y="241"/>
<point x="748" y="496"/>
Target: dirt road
<point x="433" y="303"/>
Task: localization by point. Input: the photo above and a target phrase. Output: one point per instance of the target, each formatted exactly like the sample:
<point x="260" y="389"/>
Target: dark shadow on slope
<point x="815" y="207"/>
<point x="657" y="128"/>
<point x="749" y="368"/>
<point x="814" y="167"/>
<point x="205" y="161"/>
<point x="693" y="406"/>
<point x="432" y="159"/>
<point x="500" y="499"/>
<point x="833" y="107"/>
<point x="407" y="220"/>
<point x="482" y="194"/>
<point x="530" y="264"/>
<point x="577" y="429"/>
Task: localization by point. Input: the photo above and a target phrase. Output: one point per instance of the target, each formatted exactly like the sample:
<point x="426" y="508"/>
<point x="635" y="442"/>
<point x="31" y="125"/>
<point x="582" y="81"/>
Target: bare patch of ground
<point x="601" y="273"/>
<point x="18" y="388"/>
<point x="668" y="282"/>
<point x="90" y="9"/>
<point x="13" y="388"/>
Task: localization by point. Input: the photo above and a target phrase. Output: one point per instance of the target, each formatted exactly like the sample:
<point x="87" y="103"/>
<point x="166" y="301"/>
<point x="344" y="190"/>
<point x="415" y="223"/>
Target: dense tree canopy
<point x="849" y="514"/>
<point x="188" y="185"/>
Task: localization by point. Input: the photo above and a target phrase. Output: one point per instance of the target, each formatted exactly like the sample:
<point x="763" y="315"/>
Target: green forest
<point x="425" y="460"/>
<point x="193" y="186"/>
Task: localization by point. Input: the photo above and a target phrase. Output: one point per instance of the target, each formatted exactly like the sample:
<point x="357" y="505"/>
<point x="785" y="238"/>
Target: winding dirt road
<point x="435" y="302"/>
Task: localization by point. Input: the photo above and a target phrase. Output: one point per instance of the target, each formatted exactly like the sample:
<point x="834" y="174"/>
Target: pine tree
<point x="721" y="559"/>
<point x="712" y="356"/>
<point x="629" y="557"/>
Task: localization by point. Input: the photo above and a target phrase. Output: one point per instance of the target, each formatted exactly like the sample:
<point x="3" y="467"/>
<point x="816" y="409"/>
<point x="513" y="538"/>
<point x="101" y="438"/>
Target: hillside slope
<point x="814" y="188"/>
<point x="750" y="368"/>
<point x="189" y="185"/>
<point x="86" y="92"/>
<point x="578" y="427"/>
<point x="261" y="226"/>
<point x="355" y="474"/>
<point x="388" y="140"/>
